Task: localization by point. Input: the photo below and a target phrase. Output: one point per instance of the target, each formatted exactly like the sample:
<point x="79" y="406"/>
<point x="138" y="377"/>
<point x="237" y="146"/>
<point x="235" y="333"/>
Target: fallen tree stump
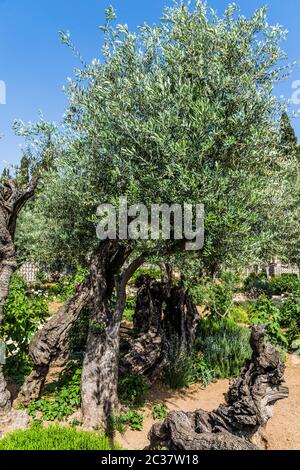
<point x="248" y="407"/>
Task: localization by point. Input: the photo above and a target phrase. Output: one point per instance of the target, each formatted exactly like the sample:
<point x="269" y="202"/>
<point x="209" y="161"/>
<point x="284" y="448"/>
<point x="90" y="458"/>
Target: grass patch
<point x="54" y="438"/>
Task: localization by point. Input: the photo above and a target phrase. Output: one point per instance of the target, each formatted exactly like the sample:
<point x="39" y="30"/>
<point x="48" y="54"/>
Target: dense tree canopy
<point x="179" y="112"/>
<point x="288" y="245"/>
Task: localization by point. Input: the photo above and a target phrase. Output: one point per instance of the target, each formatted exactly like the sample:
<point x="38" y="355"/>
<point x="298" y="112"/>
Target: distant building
<point x="277" y="268"/>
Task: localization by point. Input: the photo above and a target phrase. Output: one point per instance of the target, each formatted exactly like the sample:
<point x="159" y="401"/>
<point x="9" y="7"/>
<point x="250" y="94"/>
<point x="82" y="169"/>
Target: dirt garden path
<point x="283" y="430"/>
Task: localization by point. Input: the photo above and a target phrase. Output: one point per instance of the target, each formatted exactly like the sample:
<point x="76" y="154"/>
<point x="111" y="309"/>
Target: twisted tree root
<point x="248" y="407"/>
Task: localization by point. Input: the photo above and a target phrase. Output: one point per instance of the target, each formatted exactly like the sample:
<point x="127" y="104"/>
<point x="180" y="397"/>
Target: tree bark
<point x="148" y="310"/>
<point x="12" y="200"/>
<point x="146" y="354"/>
<point x="51" y="342"/>
<point x="180" y="317"/>
<point x="249" y="406"/>
<point x="100" y="365"/>
<point x="99" y="372"/>
<point x="101" y="359"/>
<point x="156" y="326"/>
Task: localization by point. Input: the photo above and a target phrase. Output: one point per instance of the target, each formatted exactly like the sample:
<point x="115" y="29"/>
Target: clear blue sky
<point x="34" y="65"/>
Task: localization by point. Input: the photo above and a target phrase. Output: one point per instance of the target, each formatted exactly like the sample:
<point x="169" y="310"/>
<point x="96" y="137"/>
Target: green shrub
<point x="224" y="345"/>
<point x="18" y="367"/>
<point x="231" y="279"/>
<point x="67" y="285"/>
<point x="290" y="318"/>
<point x="257" y="284"/>
<point x="24" y="311"/>
<point x="239" y="314"/>
<point x="61" y="399"/>
<point x="132" y="390"/>
<point x="130" y="308"/>
<point x="134" y="420"/>
<point x="160" y="412"/>
<point x="292" y="335"/>
<point x="215" y="296"/>
<point x="199" y="370"/>
<point x="285" y="284"/>
<point x="177" y="373"/>
<point x="116" y="423"/>
<point x="290" y="311"/>
<point x="185" y="367"/>
<point x="41" y="276"/>
<point x="153" y="272"/>
<point x="200" y="293"/>
<point x="264" y="312"/>
<point x="220" y="299"/>
<point x="54" y="438"/>
<point x="120" y="423"/>
<point x="295" y="345"/>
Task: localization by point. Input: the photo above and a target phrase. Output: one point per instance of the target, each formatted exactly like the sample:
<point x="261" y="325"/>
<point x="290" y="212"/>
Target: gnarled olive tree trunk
<point x="146" y="355"/>
<point x="52" y="342"/>
<point x="101" y="359"/>
<point x="99" y="374"/>
<point x="12" y="200"/>
<point x="100" y="365"/>
<point x="249" y="406"/>
<point x="164" y="313"/>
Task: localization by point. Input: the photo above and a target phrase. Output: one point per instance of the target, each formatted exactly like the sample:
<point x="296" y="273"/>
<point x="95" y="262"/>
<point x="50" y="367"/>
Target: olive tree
<point x="180" y="112"/>
<point x="15" y="192"/>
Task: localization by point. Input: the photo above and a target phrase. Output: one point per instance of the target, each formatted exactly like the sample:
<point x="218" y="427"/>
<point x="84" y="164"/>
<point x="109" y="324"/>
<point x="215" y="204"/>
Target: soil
<point x="283" y="429"/>
<point x="54" y="307"/>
